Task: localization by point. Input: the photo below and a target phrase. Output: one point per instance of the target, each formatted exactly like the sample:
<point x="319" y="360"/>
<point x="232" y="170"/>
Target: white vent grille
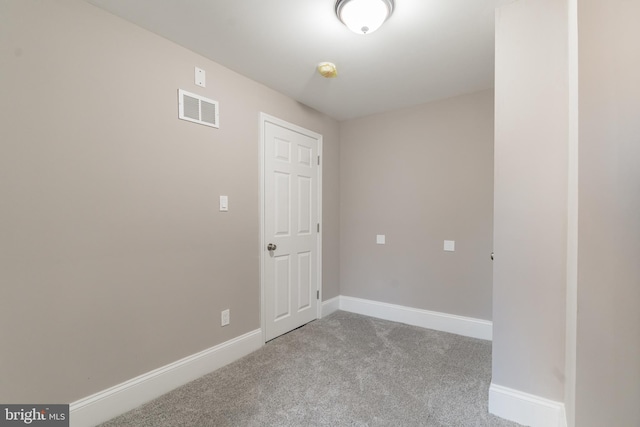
<point x="197" y="109"/>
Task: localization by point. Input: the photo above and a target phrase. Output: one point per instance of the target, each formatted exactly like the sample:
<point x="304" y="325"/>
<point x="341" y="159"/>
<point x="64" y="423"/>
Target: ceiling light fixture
<point x="364" y="16"/>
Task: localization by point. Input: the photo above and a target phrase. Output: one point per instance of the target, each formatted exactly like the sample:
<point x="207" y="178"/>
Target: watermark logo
<point x="34" y="415"/>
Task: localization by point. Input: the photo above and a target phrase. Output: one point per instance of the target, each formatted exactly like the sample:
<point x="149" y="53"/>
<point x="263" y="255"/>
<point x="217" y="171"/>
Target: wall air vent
<point x="197" y="109"/>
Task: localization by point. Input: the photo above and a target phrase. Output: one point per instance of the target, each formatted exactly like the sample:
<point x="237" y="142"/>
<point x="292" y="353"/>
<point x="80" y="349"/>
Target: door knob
<point x="491" y="256"/>
<point x="271" y="247"/>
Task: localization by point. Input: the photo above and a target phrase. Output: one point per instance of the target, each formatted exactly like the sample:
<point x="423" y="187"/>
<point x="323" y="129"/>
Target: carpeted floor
<point x="343" y="370"/>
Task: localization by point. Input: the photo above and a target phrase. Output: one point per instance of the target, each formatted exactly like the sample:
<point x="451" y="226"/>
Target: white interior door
<point x="290" y="256"/>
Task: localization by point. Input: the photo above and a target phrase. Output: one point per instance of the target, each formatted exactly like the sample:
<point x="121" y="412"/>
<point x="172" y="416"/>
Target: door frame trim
<point x="264" y="119"/>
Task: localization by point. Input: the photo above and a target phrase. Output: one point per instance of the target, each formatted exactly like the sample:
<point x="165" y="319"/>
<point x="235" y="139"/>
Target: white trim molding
<point x="330" y="306"/>
<point x="109" y="403"/>
<point x="526" y="409"/>
<point x="466" y="326"/>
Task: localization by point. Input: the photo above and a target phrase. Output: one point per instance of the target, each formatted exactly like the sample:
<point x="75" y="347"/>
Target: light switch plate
<point x="450" y="245"/>
<point x="224" y="203"/>
<point x="380" y="239"/>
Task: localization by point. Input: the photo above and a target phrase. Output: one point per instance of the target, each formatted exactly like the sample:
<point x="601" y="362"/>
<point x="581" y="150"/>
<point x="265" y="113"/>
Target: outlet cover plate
<point x="200" y="77"/>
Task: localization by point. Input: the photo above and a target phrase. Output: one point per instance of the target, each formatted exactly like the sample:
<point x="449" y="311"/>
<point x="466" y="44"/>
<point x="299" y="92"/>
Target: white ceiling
<point x="427" y="50"/>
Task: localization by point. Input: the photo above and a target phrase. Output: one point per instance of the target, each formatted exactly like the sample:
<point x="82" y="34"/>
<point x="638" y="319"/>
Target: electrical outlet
<point x="225" y="317"/>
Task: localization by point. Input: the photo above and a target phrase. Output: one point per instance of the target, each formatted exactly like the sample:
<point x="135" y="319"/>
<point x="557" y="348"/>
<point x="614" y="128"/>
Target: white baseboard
<point x="130" y="394"/>
<point x="526" y="409"/>
<point x="331" y="305"/>
<point x="466" y="326"/>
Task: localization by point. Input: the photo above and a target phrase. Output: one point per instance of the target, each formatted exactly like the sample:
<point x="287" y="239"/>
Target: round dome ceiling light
<point x="364" y="16"/>
<point x="327" y="70"/>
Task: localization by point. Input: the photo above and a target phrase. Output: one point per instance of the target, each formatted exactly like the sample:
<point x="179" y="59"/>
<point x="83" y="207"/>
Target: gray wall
<point x="608" y="339"/>
<point x="530" y="211"/>
<point x="419" y="176"/>
<point x="114" y="259"/>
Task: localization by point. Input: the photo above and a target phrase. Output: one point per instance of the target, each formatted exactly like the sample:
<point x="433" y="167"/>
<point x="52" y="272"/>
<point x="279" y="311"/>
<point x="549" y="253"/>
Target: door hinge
<point x="318" y="227"/>
<point x="317" y="294"/>
<point x="318" y="160"/>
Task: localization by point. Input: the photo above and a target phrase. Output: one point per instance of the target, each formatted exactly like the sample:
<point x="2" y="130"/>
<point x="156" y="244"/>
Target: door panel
<point x="305" y="207"/>
<point x="290" y="218"/>
<point x="304" y="280"/>
<point x="281" y="203"/>
<point x="282" y="287"/>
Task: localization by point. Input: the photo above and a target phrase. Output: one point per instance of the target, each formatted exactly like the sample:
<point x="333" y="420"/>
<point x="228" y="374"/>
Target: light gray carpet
<point x="343" y="370"/>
